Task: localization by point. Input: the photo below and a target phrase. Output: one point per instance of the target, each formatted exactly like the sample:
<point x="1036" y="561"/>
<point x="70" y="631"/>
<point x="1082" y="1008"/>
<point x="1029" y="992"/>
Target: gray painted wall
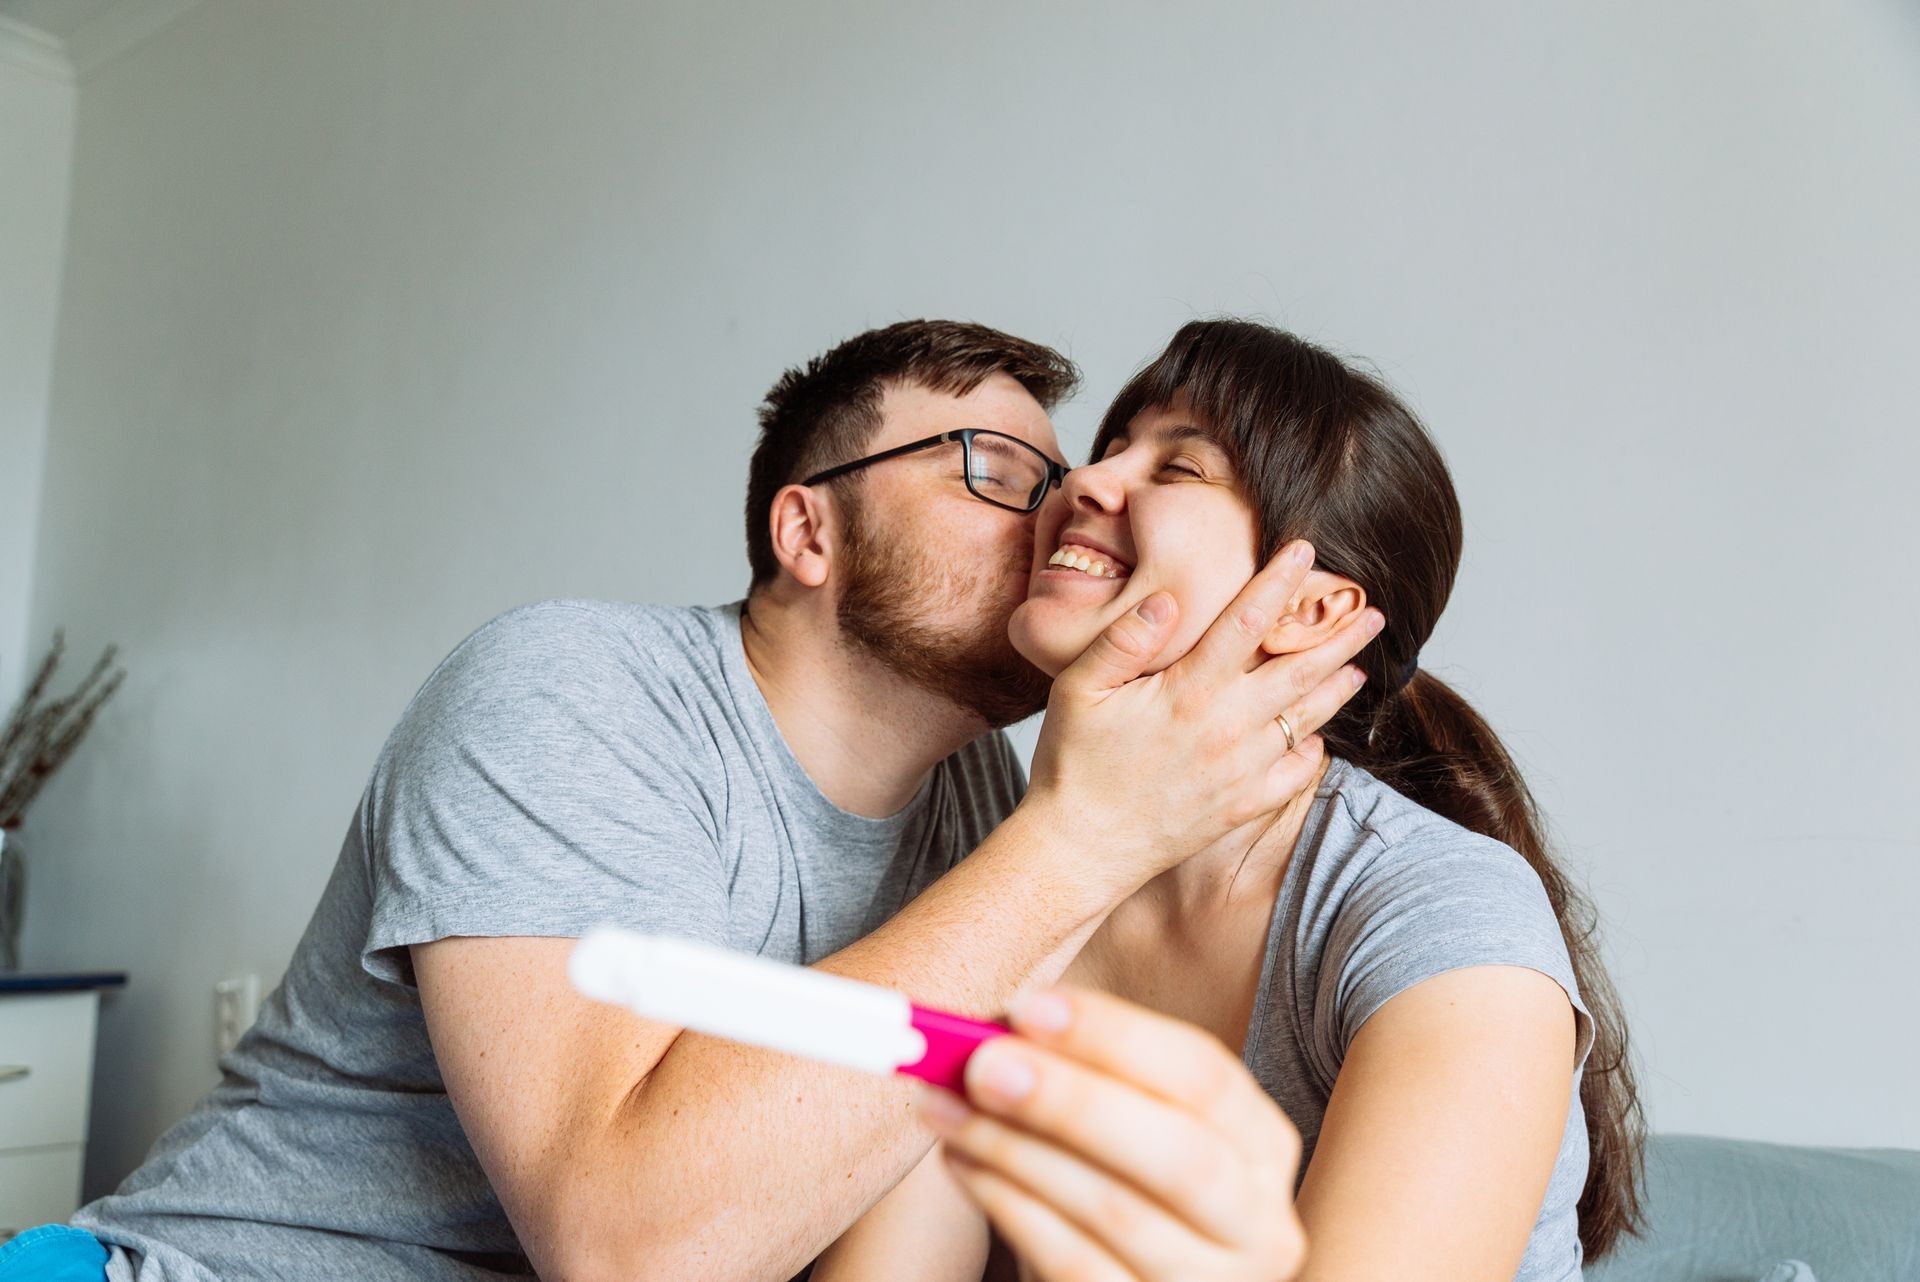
<point x="36" y="153"/>
<point x="380" y="318"/>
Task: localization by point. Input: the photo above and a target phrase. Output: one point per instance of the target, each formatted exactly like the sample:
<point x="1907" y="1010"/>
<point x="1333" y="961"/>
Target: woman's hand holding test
<point x="1106" y="1141"/>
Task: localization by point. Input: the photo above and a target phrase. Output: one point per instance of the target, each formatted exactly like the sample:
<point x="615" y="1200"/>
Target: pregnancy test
<point x="772" y="1004"/>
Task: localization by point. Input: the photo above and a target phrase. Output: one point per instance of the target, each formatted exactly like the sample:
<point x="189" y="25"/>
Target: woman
<point x="1402" y="969"/>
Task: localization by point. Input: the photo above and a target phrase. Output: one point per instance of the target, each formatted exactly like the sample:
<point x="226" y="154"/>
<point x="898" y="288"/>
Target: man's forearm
<point x="745" y="1164"/>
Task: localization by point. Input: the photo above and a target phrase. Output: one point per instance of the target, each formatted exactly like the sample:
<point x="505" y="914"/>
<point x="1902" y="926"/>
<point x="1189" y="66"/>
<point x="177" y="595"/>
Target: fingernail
<point x="941" y="1110"/>
<point x="1154" y="608"/>
<point x="1358" y="678"/>
<point x="1303" y="554"/>
<point x="1042" y="1011"/>
<point x="1376" y="621"/>
<point x="1000" y="1075"/>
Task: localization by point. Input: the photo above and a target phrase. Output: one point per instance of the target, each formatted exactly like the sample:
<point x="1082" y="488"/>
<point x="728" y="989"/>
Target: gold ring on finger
<point x="1287" y="726"/>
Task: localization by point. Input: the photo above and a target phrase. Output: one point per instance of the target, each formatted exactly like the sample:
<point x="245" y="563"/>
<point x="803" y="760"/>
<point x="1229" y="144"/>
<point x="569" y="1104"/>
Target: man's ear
<point x="1323" y="603"/>
<point x="802" y="528"/>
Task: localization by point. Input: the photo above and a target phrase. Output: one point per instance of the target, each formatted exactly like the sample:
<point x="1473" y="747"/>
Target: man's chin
<point x="997" y="689"/>
<point x="1007" y="686"/>
<point x="982" y="675"/>
<point x="1017" y="692"/>
<point x="887" y="611"/>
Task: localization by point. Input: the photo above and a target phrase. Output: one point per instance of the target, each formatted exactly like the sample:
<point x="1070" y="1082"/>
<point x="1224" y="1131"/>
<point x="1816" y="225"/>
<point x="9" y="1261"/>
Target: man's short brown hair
<point x="823" y="413"/>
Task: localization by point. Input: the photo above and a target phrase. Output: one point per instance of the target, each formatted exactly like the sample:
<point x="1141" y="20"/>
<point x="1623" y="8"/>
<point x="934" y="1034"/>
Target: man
<point x="807" y="775"/>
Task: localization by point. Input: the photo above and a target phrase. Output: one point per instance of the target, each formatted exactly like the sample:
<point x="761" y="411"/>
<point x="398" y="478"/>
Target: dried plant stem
<point x="35" y="688"/>
<point x="38" y="740"/>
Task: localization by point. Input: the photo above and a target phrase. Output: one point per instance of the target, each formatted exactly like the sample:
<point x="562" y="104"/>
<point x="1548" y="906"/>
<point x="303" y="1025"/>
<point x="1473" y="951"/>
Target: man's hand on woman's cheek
<point x="1108" y="1141"/>
<point x="1147" y="770"/>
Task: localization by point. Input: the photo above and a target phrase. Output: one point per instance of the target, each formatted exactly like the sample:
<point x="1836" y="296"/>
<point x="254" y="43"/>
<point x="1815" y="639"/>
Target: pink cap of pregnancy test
<point x="951" y="1040"/>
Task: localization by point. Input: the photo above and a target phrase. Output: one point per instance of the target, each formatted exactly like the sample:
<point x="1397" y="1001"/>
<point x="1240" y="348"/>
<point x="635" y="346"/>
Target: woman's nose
<point x="1094" y="488"/>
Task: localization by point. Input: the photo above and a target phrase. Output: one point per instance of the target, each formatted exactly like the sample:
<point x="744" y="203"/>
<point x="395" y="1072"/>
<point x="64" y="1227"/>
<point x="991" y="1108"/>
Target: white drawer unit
<point x="46" y="1068"/>
<point x="46" y="1078"/>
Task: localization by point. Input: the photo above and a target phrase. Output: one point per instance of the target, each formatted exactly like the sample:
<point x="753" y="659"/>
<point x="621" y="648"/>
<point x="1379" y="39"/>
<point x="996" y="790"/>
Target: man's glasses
<point x="1000" y="469"/>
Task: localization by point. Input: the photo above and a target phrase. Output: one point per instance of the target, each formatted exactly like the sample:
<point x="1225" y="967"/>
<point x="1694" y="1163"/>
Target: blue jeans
<point x="53" y="1253"/>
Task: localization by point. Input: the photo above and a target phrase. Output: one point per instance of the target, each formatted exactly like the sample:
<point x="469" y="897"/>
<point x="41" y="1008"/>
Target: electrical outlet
<point x="236" y="1003"/>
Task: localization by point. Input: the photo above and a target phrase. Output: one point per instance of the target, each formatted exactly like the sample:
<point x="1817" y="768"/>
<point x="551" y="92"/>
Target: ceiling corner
<point x="120" y="28"/>
<point x="34" y="50"/>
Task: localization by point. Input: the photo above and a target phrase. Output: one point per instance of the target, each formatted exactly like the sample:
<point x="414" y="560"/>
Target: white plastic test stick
<point x="748" y="999"/>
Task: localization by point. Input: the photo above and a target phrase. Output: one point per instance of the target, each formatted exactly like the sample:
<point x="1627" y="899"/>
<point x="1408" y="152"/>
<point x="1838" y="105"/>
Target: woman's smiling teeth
<point x="1071" y="557"/>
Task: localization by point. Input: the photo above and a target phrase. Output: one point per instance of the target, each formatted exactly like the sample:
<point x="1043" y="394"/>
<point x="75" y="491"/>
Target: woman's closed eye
<point x="1183" y="469"/>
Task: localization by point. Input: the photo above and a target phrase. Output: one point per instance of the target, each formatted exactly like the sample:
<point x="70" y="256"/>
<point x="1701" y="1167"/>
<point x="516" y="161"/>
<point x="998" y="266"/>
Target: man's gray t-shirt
<point x="572" y="762"/>
<point x="1381" y="894"/>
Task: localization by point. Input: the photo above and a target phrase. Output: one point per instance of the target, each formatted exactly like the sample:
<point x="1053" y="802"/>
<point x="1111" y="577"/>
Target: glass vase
<point x="13" y="897"/>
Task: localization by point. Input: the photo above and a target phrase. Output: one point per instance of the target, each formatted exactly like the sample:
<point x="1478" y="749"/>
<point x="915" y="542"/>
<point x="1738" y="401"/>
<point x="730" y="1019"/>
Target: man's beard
<point x="887" y="609"/>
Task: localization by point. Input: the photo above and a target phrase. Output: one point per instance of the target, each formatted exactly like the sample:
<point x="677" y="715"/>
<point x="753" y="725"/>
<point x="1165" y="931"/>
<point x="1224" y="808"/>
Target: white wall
<point x="36" y="155"/>
<point x="380" y="318"/>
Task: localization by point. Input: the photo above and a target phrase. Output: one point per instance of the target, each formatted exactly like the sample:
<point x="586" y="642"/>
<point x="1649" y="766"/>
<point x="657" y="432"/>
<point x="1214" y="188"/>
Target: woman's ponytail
<point x="1428" y="744"/>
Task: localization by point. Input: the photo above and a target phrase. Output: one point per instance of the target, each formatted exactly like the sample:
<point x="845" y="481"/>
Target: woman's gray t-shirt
<point x="572" y="762"/>
<point x="1381" y="894"/>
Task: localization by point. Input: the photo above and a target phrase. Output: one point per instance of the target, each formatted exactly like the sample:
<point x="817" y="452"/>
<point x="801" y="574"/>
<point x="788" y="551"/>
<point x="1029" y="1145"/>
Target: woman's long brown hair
<point x="1328" y="454"/>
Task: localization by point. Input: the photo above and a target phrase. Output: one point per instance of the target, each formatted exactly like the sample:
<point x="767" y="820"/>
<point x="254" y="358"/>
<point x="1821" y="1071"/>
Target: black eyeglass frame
<point x="1056" y="471"/>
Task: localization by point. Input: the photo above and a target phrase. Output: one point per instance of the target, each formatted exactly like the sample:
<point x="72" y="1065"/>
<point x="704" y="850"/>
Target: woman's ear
<point x="802" y="541"/>
<point x="1317" y="610"/>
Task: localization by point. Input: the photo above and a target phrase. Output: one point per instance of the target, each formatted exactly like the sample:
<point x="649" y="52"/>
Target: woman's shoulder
<point x="1398" y="893"/>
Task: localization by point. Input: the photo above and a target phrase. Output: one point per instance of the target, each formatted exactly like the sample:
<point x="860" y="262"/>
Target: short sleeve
<point x="1422" y="908"/>
<point x="542" y="781"/>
